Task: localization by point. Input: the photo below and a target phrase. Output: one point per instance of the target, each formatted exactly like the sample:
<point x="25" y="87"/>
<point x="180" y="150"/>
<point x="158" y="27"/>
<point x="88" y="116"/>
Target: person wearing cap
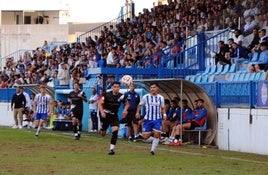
<point x="262" y="63"/>
<point x="18" y="103"/>
<point x="41" y="108"/>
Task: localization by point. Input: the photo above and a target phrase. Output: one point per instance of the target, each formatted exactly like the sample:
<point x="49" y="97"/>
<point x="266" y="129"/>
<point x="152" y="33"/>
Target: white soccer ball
<point x="126" y="80"/>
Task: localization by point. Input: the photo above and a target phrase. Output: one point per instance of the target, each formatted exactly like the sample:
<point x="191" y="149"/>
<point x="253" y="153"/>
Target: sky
<point x="101" y="10"/>
<point x="80" y="10"/>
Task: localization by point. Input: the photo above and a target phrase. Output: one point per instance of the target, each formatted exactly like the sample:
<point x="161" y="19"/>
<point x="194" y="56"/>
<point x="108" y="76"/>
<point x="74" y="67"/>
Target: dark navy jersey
<point x="133" y="99"/>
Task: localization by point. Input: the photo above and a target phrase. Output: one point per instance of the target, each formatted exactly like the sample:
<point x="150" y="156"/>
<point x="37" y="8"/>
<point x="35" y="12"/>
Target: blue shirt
<point x="263" y="59"/>
<point x="133" y="99"/>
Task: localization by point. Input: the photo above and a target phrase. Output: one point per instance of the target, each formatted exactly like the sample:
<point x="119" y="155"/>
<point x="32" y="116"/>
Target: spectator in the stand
<point x="262" y="35"/>
<point x="63" y="75"/>
<point x="238" y="55"/>
<point x="111" y="58"/>
<point x="254" y="41"/>
<point x="262" y="63"/>
<point x="238" y="37"/>
<point x="102" y="61"/>
<point x="220" y="57"/>
<point x="250" y="25"/>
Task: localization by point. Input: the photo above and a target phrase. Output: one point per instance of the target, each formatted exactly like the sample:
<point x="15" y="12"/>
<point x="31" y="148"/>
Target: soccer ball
<point x="126" y="80"/>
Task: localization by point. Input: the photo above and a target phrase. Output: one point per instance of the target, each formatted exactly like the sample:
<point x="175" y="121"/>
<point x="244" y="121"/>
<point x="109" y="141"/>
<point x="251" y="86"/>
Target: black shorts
<point x="77" y="113"/>
<point x="129" y="118"/>
<point x="110" y="119"/>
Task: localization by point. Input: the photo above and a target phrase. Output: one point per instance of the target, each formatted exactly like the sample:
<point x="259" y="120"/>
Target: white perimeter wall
<point x="237" y="132"/>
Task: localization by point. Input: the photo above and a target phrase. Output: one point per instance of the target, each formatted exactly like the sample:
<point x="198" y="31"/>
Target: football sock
<point x="38" y="130"/>
<point x="75" y="128"/>
<point x="112" y="146"/>
<point x="154" y="143"/>
<point x="114" y="137"/>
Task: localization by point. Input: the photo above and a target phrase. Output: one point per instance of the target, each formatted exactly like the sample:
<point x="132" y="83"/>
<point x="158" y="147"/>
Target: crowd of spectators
<point x="142" y="41"/>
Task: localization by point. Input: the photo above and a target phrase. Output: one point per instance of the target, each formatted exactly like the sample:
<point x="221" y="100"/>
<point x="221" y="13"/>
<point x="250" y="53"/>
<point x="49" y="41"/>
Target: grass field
<point x="58" y="153"/>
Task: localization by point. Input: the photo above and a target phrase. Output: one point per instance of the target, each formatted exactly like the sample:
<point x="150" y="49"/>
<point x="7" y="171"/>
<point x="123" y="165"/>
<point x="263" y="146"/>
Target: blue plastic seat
<point x="263" y="76"/>
<point x="212" y="70"/>
<point x="236" y="76"/>
<point x="241" y="76"/>
<point x="211" y="78"/>
<point x="200" y="129"/>
<point x="192" y="78"/>
<point x="204" y="78"/>
<point x="219" y="69"/>
<point x="232" y="68"/>
<point x="253" y="59"/>
<point x="231" y="77"/>
<point x="225" y="69"/>
<point x="187" y="77"/>
<point x="198" y="79"/>
<point x="247" y="76"/>
<point x="252" y="76"/>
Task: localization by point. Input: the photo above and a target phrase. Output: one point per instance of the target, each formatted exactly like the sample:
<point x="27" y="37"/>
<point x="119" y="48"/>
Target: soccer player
<point x="76" y="98"/>
<point x="41" y="108"/>
<point x="109" y="107"/>
<point x="154" y="109"/>
<point x="133" y="99"/>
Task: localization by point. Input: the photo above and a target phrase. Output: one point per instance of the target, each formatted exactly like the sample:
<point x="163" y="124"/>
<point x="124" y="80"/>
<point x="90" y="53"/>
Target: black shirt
<point x="18" y="100"/>
<point x="76" y="100"/>
<point x="112" y="102"/>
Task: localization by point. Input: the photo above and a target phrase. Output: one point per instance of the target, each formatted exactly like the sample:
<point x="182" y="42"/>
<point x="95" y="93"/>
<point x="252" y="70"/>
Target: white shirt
<point x="28" y="100"/>
<point x="94" y="105"/>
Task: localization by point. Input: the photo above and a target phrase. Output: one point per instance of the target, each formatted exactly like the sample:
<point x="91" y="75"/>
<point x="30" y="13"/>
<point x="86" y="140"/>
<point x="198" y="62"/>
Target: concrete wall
<point x="243" y="130"/>
<point x="16" y="37"/>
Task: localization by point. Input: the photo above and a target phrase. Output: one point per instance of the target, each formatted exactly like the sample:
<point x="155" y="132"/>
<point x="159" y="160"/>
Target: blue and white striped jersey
<point x="153" y="105"/>
<point x="42" y="103"/>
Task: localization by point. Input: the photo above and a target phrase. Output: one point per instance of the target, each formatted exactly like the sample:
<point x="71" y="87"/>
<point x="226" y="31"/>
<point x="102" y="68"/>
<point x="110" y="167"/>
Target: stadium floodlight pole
<point x="181" y="110"/>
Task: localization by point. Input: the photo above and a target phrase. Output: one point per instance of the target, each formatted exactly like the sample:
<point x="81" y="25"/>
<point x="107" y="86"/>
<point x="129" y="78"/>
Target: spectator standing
<point x="76" y="98"/>
<point x="155" y="108"/>
<point x="109" y="107"/>
<point x="41" y="108"/>
<point x="93" y="109"/>
<point x="18" y="103"/>
<point x="63" y="74"/>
